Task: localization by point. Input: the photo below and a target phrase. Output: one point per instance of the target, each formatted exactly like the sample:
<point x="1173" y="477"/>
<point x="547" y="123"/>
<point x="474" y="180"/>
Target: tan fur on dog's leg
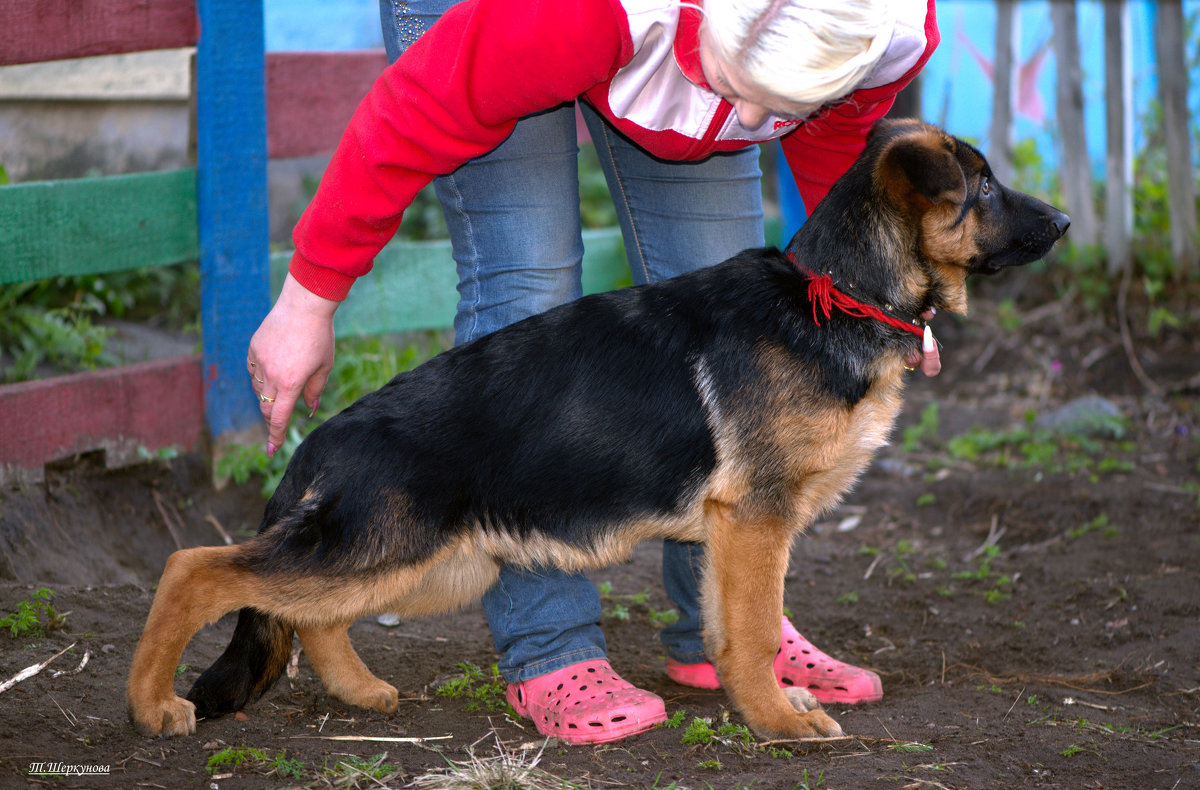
<point x="344" y="674"/>
<point x="197" y="587"/>
<point x="744" y="597"/>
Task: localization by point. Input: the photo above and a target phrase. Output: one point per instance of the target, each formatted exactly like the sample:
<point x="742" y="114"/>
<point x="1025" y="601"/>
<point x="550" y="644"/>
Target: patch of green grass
<point x="676" y="719"/>
<point x="483" y="691"/>
<point x="622" y="607"/>
<point x="1074" y="750"/>
<point x="699" y="733"/>
<point x="350" y="769"/>
<point x="1099" y="524"/>
<point x="505" y="770"/>
<point x="1048" y="451"/>
<point x="736" y="737"/>
<point x="34" y="617"/>
<point x="811" y="783"/>
<point x="925" y="432"/>
<point x="233" y="757"/>
<point x="901" y="567"/>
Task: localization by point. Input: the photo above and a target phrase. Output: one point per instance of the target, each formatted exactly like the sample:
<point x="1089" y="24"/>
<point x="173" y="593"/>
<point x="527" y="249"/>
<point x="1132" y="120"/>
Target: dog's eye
<point x="985" y="187"/>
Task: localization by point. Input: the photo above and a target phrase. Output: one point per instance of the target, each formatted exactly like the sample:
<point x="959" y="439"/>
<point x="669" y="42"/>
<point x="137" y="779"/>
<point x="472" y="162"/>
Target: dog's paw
<point x="376" y="695"/>
<point x="175" y="716"/>
<point x="802" y="699"/>
<point x="821" y="724"/>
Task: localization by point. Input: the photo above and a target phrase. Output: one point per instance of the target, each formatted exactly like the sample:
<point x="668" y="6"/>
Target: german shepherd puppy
<point x="729" y="406"/>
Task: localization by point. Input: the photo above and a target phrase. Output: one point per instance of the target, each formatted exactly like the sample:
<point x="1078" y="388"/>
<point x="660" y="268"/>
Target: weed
<point x="483" y="692"/>
<point x="699" y="733"/>
<point x="676" y="719"/>
<point x="709" y="765"/>
<point x="32" y="335"/>
<point x="811" y="783"/>
<point x="34" y="617"/>
<point x="623" y="606"/>
<point x="901" y="568"/>
<point x="1099" y="524"/>
<point x="737" y="737"/>
<point x="912" y="746"/>
<point x="1008" y="316"/>
<point x="348" y="770"/>
<point x="850" y="597"/>
<point x="503" y="771"/>
<point x="1075" y="749"/>
<point x="234" y="757"/>
<point x="924" y="432"/>
<point x="617" y="612"/>
<point x="181" y="670"/>
<point x="926" y="499"/>
<point x="663" y="618"/>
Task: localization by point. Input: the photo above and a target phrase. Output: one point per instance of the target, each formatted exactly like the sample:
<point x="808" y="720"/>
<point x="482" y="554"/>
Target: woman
<point x="676" y="97"/>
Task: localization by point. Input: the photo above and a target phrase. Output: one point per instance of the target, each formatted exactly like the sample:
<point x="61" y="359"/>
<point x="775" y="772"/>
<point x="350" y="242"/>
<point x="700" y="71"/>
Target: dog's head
<point x="964" y="220"/>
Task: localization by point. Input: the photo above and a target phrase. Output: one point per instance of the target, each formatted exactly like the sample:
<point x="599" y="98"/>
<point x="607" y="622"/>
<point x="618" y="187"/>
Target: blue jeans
<point x="513" y="217"/>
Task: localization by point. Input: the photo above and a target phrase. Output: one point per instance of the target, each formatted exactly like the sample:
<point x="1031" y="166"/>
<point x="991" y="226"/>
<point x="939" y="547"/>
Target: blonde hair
<point x="808" y="52"/>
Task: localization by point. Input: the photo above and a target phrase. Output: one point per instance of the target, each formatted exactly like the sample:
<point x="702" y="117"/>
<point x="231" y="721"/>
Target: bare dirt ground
<point x="1031" y="600"/>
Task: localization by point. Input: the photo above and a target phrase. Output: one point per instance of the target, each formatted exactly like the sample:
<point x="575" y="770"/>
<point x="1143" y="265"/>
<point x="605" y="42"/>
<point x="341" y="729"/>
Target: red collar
<point x="823" y="294"/>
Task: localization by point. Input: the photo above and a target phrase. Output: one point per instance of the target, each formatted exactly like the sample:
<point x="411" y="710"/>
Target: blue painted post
<point x="231" y="204"/>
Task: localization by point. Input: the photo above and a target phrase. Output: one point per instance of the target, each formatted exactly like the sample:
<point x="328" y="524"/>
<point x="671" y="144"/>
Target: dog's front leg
<point x="743" y="609"/>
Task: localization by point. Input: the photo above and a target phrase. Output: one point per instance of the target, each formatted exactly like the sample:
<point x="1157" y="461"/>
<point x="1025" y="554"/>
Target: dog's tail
<point x="256" y="656"/>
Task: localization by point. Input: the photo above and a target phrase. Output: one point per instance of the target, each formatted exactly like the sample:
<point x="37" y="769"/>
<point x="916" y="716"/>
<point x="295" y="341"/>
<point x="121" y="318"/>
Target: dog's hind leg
<point x="345" y="676"/>
<point x="197" y="587"/>
<point x="743" y="610"/>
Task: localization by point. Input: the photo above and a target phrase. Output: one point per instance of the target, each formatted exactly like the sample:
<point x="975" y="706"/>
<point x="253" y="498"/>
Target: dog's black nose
<point x="1061" y="222"/>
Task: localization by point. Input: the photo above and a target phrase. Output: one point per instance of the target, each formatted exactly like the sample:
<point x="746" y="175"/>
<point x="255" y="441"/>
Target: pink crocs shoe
<point x="586" y="703"/>
<point x="800" y="664"/>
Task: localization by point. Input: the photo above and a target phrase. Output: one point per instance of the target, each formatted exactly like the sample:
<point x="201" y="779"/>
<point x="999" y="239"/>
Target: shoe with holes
<point x="799" y="664"/>
<point x="586" y="703"/>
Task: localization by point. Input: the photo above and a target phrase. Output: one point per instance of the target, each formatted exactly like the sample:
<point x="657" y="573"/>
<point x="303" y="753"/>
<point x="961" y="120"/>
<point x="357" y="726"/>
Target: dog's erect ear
<point x="922" y="170"/>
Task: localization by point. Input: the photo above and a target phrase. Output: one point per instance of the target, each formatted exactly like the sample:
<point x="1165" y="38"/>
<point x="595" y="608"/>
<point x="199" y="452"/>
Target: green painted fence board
<point x="414" y="285"/>
<point x="93" y="225"/>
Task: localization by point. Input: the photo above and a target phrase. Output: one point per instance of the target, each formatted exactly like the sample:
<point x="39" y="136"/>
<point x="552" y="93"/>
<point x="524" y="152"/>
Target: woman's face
<point x="751" y="102"/>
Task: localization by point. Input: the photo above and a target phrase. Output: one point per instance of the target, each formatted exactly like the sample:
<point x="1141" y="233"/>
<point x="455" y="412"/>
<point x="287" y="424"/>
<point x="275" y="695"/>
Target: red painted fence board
<point x="312" y="95"/>
<point x="39" y="30"/>
<point x="150" y="404"/>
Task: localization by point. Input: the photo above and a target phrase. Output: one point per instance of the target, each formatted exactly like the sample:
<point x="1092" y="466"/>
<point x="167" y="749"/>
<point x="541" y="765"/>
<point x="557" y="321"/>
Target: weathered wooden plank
<point x="414" y="285"/>
<point x="152" y="405"/>
<point x="231" y="189"/>
<point x="90" y="225"/>
<point x="311" y="97"/>
<point x="38" y="30"/>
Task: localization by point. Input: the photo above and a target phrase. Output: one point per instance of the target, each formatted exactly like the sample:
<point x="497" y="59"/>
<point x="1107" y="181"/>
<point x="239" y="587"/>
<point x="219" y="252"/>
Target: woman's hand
<point x="291" y="356"/>
<point x="928" y="360"/>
